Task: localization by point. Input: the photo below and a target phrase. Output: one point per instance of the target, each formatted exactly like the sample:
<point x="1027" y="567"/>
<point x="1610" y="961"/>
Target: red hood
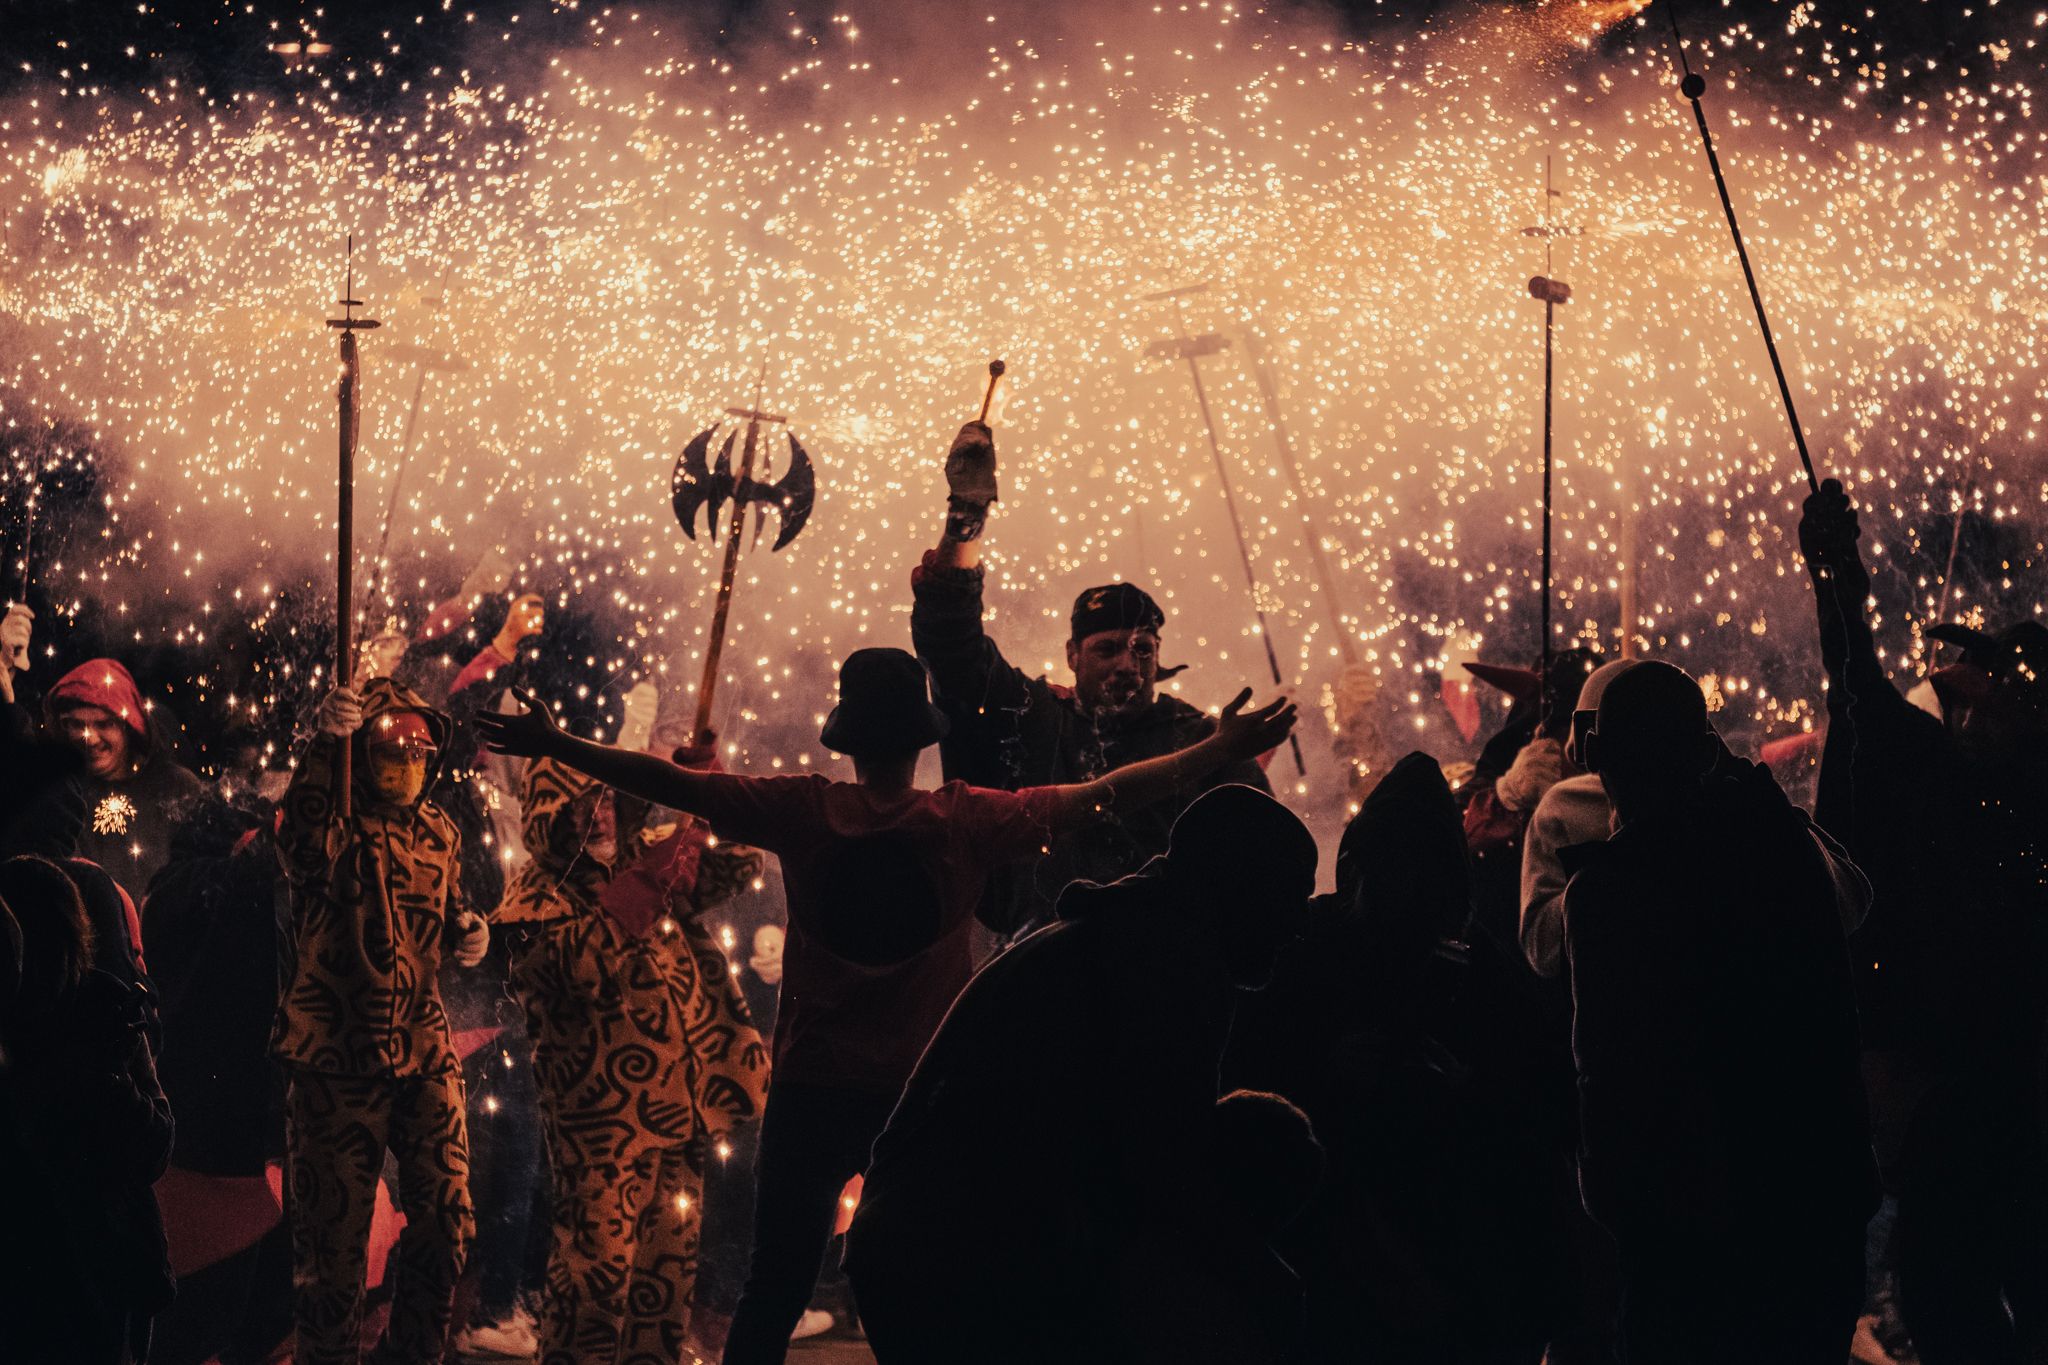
<point x="103" y="683"/>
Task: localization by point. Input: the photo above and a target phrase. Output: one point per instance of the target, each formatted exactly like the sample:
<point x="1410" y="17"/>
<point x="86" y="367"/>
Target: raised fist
<point x="341" y="712"/>
<point x="1828" y="532"/>
<point x="971" y="465"/>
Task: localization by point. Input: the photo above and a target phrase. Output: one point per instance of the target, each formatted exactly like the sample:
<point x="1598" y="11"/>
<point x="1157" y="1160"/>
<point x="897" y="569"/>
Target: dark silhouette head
<point x="55" y="934"/>
<point x="885" y="709"/>
<point x="1267" y="1157"/>
<point x="1244" y="863"/>
<point x="1651" y="744"/>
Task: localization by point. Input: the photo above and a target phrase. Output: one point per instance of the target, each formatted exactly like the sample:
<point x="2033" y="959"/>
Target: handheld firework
<point x="349" y="398"/>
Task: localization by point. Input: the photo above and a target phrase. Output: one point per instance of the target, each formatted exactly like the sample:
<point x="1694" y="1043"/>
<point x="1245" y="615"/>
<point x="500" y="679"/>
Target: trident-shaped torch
<point x="697" y="486"/>
<point x="348" y="324"/>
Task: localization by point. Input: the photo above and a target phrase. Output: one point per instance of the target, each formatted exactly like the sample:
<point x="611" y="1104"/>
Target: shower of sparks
<point x="613" y="247"/>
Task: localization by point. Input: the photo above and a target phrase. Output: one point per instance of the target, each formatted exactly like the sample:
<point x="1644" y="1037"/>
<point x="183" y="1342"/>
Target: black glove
<point x="1828" y="532"/>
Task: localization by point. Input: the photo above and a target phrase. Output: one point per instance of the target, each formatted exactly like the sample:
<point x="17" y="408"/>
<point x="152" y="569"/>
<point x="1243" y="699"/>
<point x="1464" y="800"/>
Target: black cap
<point x="1115" y="606"/>
<point x="885" y="706"/>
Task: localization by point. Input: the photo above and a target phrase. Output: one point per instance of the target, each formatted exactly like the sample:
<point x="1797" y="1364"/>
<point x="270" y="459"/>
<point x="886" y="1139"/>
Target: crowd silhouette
<point x="1611" y="1052"/>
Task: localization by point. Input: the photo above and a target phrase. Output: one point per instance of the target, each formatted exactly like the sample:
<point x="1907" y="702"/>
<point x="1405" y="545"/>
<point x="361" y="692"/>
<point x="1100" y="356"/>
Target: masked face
<point x="101" y="738"/>
<point x="401" y="750"/>
<point x="1114" y="670"/>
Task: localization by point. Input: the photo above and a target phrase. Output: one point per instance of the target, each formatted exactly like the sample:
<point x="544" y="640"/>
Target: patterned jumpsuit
<point x="370" y="1064"/>
<point x="644" y="1059"/>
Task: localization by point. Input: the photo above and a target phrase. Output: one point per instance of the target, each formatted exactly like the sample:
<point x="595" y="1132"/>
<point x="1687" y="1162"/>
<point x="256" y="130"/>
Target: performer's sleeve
<point x="307" y="814"/>
<point x="970" y="672"/>
<point x="1544" y="876"/>
<point x="482" y="667"/>
<point x="724" y="870"/>
<point x="1006" y="827"/>
<point x="445" y="620"/>
<point x="780" y="814"/>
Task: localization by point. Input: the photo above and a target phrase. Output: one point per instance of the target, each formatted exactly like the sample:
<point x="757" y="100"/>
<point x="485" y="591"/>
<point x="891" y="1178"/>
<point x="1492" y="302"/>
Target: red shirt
<point x="882" y="888"/>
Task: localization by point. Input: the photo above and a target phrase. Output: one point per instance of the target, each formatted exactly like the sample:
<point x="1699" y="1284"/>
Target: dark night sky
<point x="224" y="44"/>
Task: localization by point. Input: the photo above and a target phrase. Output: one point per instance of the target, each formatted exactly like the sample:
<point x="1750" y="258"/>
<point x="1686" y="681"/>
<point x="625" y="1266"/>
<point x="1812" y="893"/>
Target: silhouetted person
<point x="1950" y="819"/>
<point x="84" y="1132"/>
<point x="1436" y="1075"/>
<point x="1064" y="1113"/>
<point x="1724" y="1140"/>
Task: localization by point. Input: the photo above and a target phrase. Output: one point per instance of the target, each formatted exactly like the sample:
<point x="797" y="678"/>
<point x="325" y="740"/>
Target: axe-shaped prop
<point x="698" y="486"/>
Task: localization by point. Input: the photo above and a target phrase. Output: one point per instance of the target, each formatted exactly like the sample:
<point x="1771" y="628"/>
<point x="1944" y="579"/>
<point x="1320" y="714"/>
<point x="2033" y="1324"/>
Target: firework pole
<point x="1551" y="292"/>
<point x="1181" y="346"/>
<point x="1692" y="87"/>
<point x="430" y="364"/>
<point x="348" y="324"/>
<point x="1327" y="581"/>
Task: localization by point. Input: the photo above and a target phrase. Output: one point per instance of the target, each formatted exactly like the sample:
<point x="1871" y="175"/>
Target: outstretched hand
<point x="530" y="733"/>
<point x="1243" y="734"/>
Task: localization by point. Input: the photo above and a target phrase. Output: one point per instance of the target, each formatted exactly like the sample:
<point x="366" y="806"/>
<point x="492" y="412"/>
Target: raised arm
<point x="1239" y="735"/>
<point x="1828" y="532"/>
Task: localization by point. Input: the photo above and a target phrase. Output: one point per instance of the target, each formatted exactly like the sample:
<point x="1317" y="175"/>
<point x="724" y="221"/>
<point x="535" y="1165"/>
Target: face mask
<point x="397" y="775"/>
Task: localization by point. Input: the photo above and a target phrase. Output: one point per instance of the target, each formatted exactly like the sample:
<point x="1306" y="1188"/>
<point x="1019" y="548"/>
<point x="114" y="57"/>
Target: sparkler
<point x="1352" y="196"/>
<point x="1191" y="349"/>
<point x="350" y="402"/>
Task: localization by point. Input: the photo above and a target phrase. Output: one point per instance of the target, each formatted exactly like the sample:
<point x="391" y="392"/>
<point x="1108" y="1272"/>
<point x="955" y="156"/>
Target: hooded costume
<point x="643" y="1055"/>
<point x="127" y="821"/>
<point x="364" y="1038"/>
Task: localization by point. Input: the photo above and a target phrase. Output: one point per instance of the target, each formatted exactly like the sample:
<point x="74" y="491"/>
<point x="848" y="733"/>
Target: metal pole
<point x="1244" y="553"/>
<point x="1692" y="87"/>
<point x="1324" y="577"/>
<point x="348" y="399"/>
<point x="715" y="646"/>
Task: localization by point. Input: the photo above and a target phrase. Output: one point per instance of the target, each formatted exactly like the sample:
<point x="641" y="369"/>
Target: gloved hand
<point x="1828" y="532"/>
<point x="971" y="465"/>
<point x="341" y="712"/>
<point x="474" y="942"/>
<point x="970" y="481"/>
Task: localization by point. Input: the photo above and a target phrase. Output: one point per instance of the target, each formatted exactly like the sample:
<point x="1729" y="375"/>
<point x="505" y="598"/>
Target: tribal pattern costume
<point x="365" y="1042"/>
<point x="644" y="1059"/>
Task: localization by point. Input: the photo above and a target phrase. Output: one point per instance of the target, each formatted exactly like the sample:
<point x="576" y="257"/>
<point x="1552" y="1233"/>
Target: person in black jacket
<point x="1425" y="1058"/>
<point x="84" y="1133"/>
<point x="1061" y="1128"/>
<point x="1009" y="730"/>
<point x="1949" y="817"/>
<point x="1724" y="1138"/>
<point x="211" y="932"/>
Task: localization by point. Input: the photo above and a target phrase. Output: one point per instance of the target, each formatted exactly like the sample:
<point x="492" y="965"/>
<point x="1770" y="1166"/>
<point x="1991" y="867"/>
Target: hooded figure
<point x="1053" y="1173"/>
<point x="1423" y="1056"/>
<point x="643" y="1054"/>
<point x="375" y="906"/>
<point x="132" y="791"/>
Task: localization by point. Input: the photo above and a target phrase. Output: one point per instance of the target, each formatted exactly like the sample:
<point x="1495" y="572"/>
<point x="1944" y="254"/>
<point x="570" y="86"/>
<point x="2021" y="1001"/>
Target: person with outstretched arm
<point x="882" y="879"/>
